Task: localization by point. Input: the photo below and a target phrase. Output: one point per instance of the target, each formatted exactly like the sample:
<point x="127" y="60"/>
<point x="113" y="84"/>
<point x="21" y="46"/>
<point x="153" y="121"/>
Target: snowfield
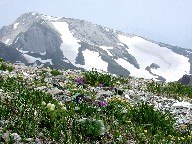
<point x="70" y="45"/>
<point x="92" y="59"/>
<point x="172" y="66"/>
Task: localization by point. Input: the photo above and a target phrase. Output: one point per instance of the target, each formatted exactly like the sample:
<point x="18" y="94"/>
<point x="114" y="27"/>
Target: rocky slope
<point x="63" y="87"/>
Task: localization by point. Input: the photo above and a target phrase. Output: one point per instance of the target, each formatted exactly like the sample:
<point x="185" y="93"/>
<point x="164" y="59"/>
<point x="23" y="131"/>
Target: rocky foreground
<point x="63" y="85"/>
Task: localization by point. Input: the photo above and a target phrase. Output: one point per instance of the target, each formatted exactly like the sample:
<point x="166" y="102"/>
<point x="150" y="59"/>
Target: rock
<point x="55" y="91"/>
<point x="186" y="80"/>
<point x="16" y="137"/>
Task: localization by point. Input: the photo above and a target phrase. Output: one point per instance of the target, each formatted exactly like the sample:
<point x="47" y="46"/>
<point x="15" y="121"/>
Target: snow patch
<point x="189" y="52"/>
<point x="120" y="44"/>
<point x="106" y="29"/>
<point x="70" y="45"/>
<point x="93" y="60"/>
<point x="172" y="66"/>
<point x="106" y="49"/>
<point x="133" y="70"/>
<point x="44" y="53"/>
<point x="15" y="25"/>
<point x="16" y="39"/>
<point x="33" y="13"/>
<point x="32" y="59"/>
<point x="7" y="41"/>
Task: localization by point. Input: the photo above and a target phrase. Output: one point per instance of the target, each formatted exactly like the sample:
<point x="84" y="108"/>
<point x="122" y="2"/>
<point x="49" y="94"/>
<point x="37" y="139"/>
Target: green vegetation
<point x="4" y="67"/>
<point x="55" y="72"/>
<point x="171" y="89"/>
<point x="95" y="78"/>
<point x="84" y="118"/>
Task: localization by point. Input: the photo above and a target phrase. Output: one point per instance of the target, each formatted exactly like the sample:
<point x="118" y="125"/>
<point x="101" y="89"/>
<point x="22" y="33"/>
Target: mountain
<point x="186" y="80"/>
<point x="71" y="43"/>
<point x="10" y="54"/>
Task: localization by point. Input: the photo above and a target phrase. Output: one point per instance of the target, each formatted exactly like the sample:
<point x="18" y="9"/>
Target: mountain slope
<point x="71" y="43"/>
<point x="10" y="54"/>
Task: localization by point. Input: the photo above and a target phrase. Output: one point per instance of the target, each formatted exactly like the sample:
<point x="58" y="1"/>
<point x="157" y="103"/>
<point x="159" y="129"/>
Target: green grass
<point x="34" y="114"/>
<point x="94" y="78"/>
<point x="171" y="89"/>
<point x="55" y="72"/>
<point x="5" y="67"/>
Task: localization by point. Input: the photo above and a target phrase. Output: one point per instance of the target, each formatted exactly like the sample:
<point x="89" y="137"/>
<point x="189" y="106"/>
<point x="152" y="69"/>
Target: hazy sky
<point x="167" y="21"/>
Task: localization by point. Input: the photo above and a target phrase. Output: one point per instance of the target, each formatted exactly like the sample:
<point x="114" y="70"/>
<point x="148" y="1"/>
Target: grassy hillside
<point x="43" y="105"/>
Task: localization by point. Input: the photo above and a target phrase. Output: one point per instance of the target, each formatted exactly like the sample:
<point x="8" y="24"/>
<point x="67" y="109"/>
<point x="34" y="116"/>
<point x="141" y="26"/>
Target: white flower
<point x="60" y="103"/>
<point x="77" y="108"/>
<point x="50" y="106"/>
<point x="35" y="113"/>
<point x="43" y="103"/>
<point x="64" y="108"/>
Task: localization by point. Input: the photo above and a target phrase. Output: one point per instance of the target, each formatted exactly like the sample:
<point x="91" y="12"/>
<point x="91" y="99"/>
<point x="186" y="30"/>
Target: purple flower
<point x="102" y="103"/>
<point x="82" y="97"/>
<point x="100" y="85"/>
<point x="79" y="81"/>
<point x="78" y="98"/>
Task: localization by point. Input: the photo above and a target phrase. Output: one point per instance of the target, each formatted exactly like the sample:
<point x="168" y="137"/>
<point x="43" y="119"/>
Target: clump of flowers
<point x="51" y="106"/>
<point x="79" y="81"/>
<point x="86" y="99"/>
<point x="100" y="85"/>
<point x="100" y="103"/>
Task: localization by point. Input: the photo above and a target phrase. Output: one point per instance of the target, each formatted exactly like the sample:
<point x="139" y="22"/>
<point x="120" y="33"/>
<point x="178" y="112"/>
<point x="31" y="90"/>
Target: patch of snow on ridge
<point x="32" y="59"/>
<point x="106" y="49"/>
<point x="93" y="60"/>
<point x="6" y="42"/>
<point x="44" y="53"/>
<point x="70" y="46"/>
<point x="172" y="66"/>
<point x="133" y="70"/>
<point x="15" y="25"/>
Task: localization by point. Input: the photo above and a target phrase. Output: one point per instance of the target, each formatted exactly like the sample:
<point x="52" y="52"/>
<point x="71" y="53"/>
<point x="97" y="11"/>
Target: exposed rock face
<point x="10" y="54"/>
<point x="186" y="80"/>
<point x="71" y="43"/>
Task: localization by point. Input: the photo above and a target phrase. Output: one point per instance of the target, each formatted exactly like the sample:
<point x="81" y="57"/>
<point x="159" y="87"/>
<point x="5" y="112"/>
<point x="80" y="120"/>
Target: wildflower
<point x="189" y="137"/>
<point x="64" y="108"/>
<point x="129" y="121"/>
<point x="60" y="103"/>
<point x="145" y="131"/>
<point x="170" y="136"/>
<point x="77" y="108"/>
<point x="79" y="81"/>
<point x="43" y="103"/>
<point x="102" y="103"/>
<point x="124" y="110"/>
<point x="100" y="85"/>
<point x="182" y="138"/>
<point x="82" y="97"/>
<point x="35" y="113"/>
<point x="96" y="83"/>
<point x="50" y="106"/>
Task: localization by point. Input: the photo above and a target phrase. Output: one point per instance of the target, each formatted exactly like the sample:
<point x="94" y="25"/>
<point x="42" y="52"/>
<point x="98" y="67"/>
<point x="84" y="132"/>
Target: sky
<point x="167" y="21"/>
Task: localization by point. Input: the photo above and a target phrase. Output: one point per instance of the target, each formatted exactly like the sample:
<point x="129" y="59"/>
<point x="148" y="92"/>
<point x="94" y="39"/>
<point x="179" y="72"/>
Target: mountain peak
<point x="72" y="43"/>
